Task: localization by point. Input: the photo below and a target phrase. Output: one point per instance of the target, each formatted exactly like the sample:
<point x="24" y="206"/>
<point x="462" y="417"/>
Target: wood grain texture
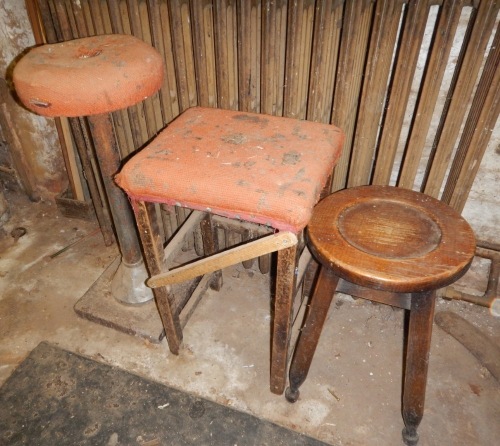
<point x="392" y="239"/>
<point x="155" y="262"/>
<point x="355" y="34"/>
<point x="481" y="120"/>
<point x="324" y="60"/>
<point x="446" y="28"/>
<point x="413" y="32"/>
<point x="283" y="313"/>
<point x="477" y="37"/>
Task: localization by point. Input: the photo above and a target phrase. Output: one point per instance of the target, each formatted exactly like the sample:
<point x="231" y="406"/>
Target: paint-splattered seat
<point x="249" y="167"/>
<point x="257" y="168"/>
<point x="88" y="76"/>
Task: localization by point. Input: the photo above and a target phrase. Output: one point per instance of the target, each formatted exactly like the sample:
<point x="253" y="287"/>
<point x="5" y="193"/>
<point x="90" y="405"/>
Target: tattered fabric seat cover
<point x="247" y="166"/>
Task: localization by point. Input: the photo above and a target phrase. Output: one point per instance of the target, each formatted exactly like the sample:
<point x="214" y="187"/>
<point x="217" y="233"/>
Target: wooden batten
<point x="438" y="60"/>
<point x="383" y="40"/>
<point x="226" y="53"/>
<point x="298" y="58"/>
<point x="324" y="60"/>
<point x="352" y="59"/>
<point x="249" y="52"/>
<point x="274" y="31"/>
<point x="414" y="22"/>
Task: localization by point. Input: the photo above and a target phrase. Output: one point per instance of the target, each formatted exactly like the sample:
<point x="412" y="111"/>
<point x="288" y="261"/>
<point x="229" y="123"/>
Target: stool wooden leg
<point x="145" y="214"/>
<point x="211" y="246"/>
<point x="283" y="313"/>
<point x="417" y="360"/>
<point x="309" y="336"/>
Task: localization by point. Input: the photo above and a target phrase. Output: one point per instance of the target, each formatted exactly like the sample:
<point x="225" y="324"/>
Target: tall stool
<point x="93" y="77"/>
<point x="247" y="167"/>
<point x="392" y="246"/>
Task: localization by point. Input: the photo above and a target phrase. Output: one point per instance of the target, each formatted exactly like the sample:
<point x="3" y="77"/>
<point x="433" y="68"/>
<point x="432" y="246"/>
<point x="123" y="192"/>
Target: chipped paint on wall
<point x="37" y="135"/>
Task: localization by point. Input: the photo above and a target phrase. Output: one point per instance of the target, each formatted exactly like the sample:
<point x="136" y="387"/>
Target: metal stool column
<point x="93" y="77"/>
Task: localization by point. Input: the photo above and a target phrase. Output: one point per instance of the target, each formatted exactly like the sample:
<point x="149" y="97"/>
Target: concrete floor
<point x="352" y="395"/>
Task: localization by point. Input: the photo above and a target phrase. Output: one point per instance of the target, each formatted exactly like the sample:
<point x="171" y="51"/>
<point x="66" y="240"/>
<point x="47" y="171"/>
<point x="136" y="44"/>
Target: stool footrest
<point x="241" y="253"/>
<point x="400" y="300"/>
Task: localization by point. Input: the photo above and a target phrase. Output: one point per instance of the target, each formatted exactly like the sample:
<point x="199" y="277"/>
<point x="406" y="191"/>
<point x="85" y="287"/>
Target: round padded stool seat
<point x="88" y="76"/>
<point x="391" y="239"/>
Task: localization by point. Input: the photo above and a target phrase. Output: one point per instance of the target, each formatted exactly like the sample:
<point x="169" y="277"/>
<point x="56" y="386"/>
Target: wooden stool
<point x="393" y="246"/>
<point x="244" y="166"/>
<point x="92" y="77"/>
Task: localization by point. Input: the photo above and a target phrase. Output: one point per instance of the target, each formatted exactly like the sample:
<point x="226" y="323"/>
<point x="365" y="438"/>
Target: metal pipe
<point x="129" y="281"/>
<point x="102" y="218"/>
<point x="108" y="155"/>
<point x="491" y="296"/>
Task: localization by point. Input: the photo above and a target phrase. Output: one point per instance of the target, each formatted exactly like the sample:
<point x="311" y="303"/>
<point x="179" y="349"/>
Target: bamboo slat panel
<point x="359" y="64"/>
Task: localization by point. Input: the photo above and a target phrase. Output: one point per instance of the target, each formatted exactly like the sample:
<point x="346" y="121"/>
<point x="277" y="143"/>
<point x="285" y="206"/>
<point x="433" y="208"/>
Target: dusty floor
<point x="352" y="395"/>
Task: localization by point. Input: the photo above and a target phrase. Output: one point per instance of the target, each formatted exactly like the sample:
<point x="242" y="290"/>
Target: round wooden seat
<point x="88" y="76"/>
<point x="391" y="239"/>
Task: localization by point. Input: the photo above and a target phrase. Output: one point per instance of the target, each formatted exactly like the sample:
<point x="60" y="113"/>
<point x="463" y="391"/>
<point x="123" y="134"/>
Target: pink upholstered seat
<point x="248" y="166"/>
<point x="88" y="76"/>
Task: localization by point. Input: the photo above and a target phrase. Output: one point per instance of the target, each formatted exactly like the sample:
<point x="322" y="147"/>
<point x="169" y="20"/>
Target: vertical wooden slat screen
<point x="298" y="57"/>
<point x="480" y="122"/>
<point x="249" y="52"/>
<point x="226" y="52"/>
<point x="326" y="41"/>
<point x="482" y="23"/>
<point x="377" y="74"/>
<point x="446" y="27"/>
<point x="414" y="21"/>
<point x="274" y="29"/>
<point x="356" y="63"/>
<point x="355" y="35"/>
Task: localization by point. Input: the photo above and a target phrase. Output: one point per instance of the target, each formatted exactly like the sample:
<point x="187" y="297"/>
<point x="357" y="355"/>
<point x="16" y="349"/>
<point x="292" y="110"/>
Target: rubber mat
<point x="58" y="398"/>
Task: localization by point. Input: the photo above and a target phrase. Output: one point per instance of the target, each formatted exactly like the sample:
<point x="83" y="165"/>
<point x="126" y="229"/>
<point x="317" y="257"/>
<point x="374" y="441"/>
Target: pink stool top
<point x="248" y="166"/>
<point x="88" y="76"/>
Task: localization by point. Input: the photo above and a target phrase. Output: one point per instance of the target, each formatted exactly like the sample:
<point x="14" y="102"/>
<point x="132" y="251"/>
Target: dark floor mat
<point x="58" y="398"/>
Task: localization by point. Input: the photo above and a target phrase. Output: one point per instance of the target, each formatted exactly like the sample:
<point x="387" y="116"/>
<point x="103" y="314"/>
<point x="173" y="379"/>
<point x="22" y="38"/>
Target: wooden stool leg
<point x="417" y="360"/>
<point x="211" y="246"/>
<point x="309" y="336"/>
<point x="145" y="214"/>
<point x="283" y="313"/>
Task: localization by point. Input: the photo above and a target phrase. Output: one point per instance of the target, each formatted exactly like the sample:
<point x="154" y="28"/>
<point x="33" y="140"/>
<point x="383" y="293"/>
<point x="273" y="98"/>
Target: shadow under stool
<point x="389" y="245"/>
<point x="246" y="167"/>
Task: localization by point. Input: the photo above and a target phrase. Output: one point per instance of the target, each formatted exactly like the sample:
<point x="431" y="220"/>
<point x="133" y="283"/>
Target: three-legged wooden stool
<point x="393" y="246"/>
<point x="243" y="166"/>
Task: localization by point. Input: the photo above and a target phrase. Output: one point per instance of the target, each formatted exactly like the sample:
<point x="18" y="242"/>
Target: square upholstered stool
<point x="393" y="246"/>
<point x="248" y="167"/>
